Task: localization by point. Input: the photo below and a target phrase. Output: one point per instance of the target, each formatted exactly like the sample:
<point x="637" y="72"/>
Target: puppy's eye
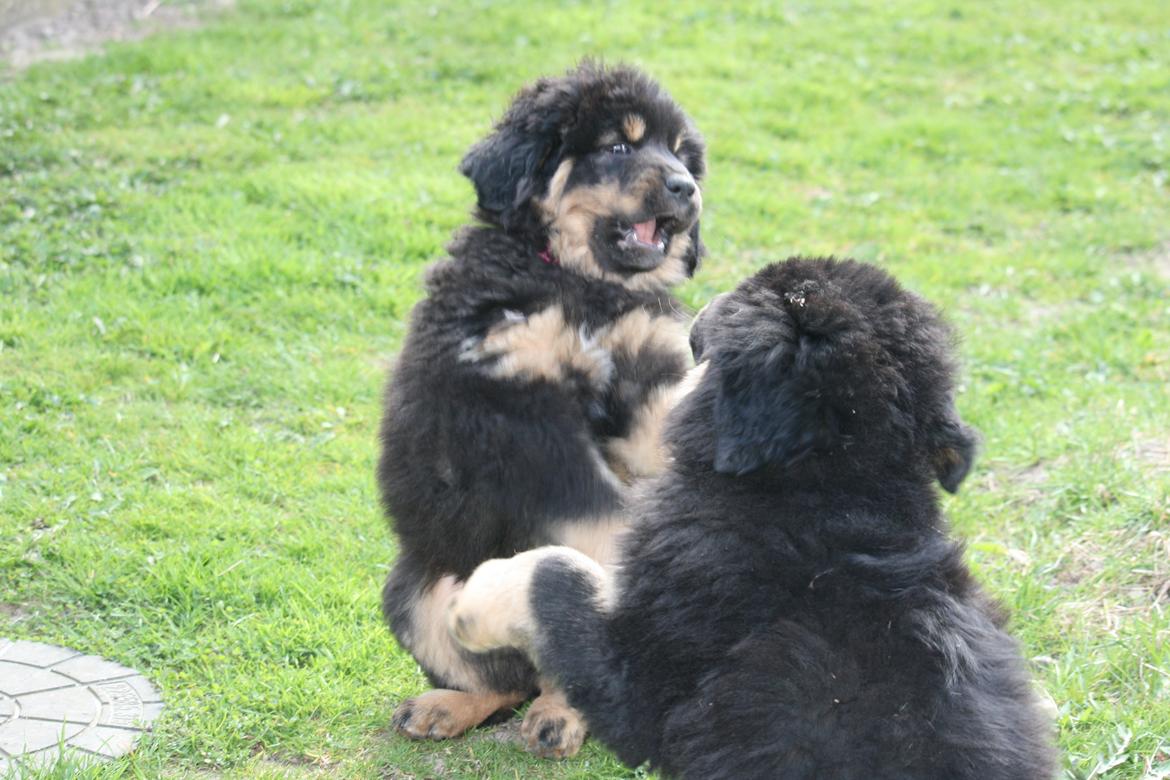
<point x="620" y="149"/>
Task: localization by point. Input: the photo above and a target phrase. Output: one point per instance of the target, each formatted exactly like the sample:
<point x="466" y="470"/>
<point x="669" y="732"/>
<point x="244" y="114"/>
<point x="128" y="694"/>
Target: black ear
<point x="506" y="170"/>
<point x="695" y="251"/>
<point x="953" y="448"/>
<point x="515" y="162"/>
<point x="769" y="405"/>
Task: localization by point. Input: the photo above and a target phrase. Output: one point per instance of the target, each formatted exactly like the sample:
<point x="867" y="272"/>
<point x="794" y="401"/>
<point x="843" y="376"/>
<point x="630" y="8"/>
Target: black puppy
<point x="537" y="371"/>
<point x="789" y="602"/>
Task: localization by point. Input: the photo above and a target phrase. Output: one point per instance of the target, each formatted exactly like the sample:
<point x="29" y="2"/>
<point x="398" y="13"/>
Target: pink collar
<point x="547" y="256"/>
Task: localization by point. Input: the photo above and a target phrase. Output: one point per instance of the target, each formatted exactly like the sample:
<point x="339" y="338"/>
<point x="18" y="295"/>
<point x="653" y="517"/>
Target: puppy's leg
<point x="442" y="713"/>
<point x="640" y="452"/>
<point x="552" y="728"/>
<point x="554" y="602"/>
<point x="651" y="355"/>
<point x="491" y="610"/>
<point x="445" y="712"/>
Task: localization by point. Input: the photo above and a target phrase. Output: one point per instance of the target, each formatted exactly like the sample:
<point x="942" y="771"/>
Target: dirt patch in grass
<point x="1150" y="454"/>
<point x="1156" y="260"/>
<point x="1026" y="485"/>
<point x="35" y="30"/>
<point x="1127" y="570"/>
<point x="13" y="613"/>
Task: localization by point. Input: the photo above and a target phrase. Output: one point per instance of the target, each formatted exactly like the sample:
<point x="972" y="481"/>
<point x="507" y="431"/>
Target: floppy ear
<point x="512" y="165"/>
<point x="505" y="168"/>
<point x="768" y="405"/>
<point x="953" y="447"/>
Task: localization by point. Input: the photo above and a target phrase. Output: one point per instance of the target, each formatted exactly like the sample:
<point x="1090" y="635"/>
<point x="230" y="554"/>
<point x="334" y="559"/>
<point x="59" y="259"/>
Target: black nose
<point x="680" y="185"/>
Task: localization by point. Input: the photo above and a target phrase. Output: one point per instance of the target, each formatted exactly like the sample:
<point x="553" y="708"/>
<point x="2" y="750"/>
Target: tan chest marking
<point x="545" y="346"/>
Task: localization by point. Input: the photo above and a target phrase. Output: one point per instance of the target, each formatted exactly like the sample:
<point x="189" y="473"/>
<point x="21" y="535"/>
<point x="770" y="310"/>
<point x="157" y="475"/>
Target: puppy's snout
<point x="680" y="185"/>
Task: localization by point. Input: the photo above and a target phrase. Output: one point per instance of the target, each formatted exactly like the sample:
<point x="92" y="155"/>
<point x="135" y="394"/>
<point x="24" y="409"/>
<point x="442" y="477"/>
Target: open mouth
<point x="634" y="245"/>
<point x="649" y="237"/>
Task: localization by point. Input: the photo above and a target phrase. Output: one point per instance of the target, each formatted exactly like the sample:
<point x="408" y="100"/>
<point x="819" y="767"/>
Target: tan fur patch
<point x="556" y="185"/>
<point x="442" y="714"/>
<point x="634" y="126"/>
<point x="492" y="610"/>
<point x="430" y="642"/>
<point x="678" y="142"/>
<point x="551" y="728"/>
<point x="642" y="452"/>
<point x="572" y="214"/>
<point x="639" y="329"/>
<point x="599" y="538"/>
<point x="544" y="346"/>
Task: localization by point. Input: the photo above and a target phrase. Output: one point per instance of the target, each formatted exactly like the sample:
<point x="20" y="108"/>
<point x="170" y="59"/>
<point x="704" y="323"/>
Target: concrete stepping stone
<point x="53" y="699"/>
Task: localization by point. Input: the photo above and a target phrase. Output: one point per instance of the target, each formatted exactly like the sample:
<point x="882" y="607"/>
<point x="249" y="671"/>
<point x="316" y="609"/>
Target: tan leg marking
<point x="639" y="329"/>
<point x="599" y="538"/>
<point x="641" y="453"/>
<point x="492" y="610"/>
<point x="544" y="346"/>
<point x="431" y="643"/>
<point x="442" y="713"/>
<point x="551" y="728"/>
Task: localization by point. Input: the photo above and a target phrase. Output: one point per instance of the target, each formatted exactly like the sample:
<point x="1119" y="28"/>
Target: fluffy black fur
<point x="476" y="464"/>
<point x="790" y="603"/>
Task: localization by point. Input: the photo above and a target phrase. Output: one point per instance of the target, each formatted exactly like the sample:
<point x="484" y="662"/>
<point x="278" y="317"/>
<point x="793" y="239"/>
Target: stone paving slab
<point x="53" y="699"/>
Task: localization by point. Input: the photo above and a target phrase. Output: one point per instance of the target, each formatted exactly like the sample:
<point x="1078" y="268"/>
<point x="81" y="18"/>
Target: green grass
<point x="210" y="240"/>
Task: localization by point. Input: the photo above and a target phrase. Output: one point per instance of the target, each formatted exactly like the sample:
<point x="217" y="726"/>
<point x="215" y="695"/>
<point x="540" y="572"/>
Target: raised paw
<point x="551" y="728"/>
<point x="442" y="714"/>
<point x="491" y="611"/>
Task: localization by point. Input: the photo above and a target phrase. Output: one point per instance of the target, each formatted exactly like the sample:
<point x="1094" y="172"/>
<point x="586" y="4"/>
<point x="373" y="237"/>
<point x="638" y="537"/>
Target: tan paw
<point x="442" y="714"/>
<point x="551" y="728"/>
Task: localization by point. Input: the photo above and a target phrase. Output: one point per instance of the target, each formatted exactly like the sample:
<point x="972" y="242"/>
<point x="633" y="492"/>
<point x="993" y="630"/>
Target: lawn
<point x="210" y="242"/>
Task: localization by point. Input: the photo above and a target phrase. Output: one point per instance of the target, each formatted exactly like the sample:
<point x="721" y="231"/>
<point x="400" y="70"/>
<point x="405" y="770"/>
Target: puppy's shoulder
<point x="478" y="254"/>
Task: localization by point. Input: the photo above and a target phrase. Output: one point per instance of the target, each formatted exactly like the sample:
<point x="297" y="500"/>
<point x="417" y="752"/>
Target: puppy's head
<point x="603" y="168"/>
<point x="825" y="357"/>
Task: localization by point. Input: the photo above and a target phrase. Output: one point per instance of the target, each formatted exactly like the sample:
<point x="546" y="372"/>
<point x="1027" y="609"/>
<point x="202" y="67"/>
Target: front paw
<point x="491" y="611"/>
<point x="551" y="728"/>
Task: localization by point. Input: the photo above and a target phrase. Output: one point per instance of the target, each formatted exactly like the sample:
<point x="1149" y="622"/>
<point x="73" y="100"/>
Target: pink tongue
<point x="645" y="230"/>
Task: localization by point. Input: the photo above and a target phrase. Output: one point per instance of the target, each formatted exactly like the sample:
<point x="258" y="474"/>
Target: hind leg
<point x="469" y="689"/>
<point x="493" y="609"/>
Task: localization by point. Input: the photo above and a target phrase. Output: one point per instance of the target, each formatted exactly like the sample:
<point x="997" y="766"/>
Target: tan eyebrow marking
<point x="634" y="126"/>
<point x="678" y="139"/>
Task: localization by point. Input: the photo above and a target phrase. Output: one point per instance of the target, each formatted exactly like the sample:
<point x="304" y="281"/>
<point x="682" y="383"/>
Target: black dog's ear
<point x="505" y="168"/>
<point x="769" y="404"/>
<point x="953" y="448"/>
<point x="514" y="163"/>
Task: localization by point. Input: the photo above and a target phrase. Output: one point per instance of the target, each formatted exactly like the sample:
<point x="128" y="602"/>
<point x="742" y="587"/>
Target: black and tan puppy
<point x="789" y="603"/>
<point x="537" y="371"/>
